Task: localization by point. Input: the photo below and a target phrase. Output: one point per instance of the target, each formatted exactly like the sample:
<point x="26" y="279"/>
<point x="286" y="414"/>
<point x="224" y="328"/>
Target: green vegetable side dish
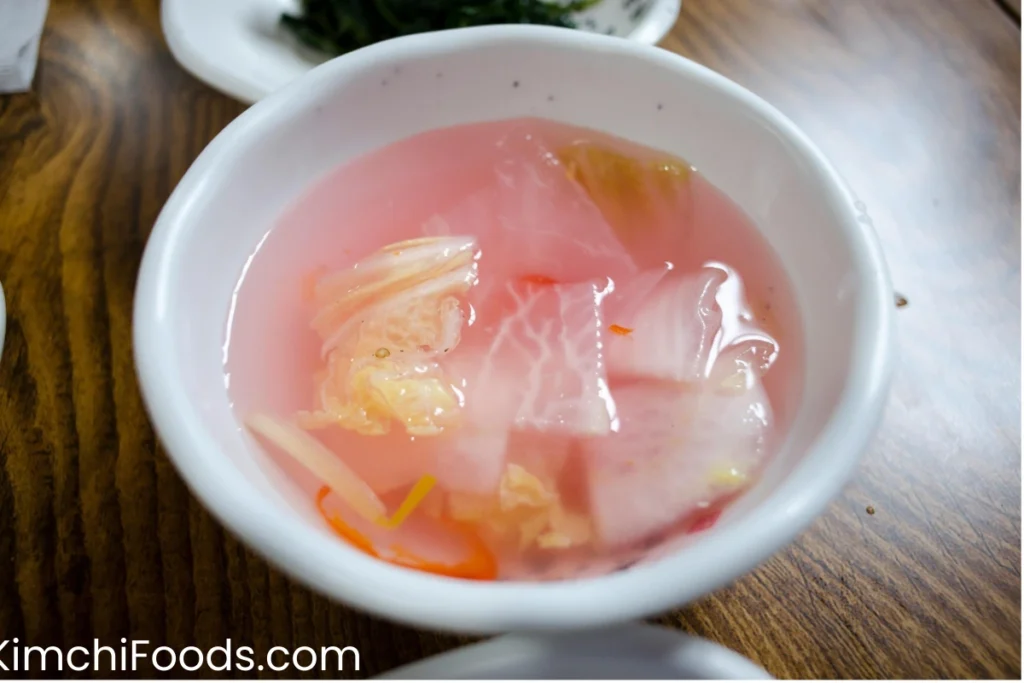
<point x="339" y="26"/>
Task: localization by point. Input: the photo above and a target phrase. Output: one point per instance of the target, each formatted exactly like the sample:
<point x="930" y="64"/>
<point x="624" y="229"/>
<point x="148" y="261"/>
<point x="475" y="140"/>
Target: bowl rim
<point x="428" y="601"/>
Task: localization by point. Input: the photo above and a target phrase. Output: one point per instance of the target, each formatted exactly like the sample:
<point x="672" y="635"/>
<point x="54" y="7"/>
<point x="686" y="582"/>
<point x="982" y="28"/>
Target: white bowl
<point x="239" y="48"/>
<point x="235" y="190"/>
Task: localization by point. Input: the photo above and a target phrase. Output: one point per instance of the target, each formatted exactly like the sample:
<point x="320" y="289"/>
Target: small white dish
<point x="271" y="154"/>
<point x="629" y="652"/>
<point x="238" y="47"/>
<point x="21" y="26"/>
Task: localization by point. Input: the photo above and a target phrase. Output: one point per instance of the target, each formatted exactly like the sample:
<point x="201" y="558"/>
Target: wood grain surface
<point x="917" y="101"/>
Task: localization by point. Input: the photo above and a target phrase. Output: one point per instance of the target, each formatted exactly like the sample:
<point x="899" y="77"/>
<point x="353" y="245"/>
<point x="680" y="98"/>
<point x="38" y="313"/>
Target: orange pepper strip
<point x="619" y="329"/>
<point x="480" y="564"/>
<point x="344" y="530"/>
<point x="538" y="280"/>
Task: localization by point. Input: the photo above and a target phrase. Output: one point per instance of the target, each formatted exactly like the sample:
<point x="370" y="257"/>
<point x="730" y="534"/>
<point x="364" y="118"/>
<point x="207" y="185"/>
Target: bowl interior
<point x="266" y="159"/>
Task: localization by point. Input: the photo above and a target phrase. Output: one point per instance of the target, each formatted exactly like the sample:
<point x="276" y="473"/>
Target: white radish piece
<point x="680" y="448"/>
<point x="670" y="325"/>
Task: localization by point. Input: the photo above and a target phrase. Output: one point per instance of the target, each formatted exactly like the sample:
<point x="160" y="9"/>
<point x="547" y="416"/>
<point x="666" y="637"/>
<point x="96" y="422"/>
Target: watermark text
<point x="131" y="655"/>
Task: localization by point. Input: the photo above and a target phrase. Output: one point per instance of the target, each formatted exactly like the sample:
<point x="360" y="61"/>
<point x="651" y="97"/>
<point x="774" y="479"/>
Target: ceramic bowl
<point x="274" y="151"/>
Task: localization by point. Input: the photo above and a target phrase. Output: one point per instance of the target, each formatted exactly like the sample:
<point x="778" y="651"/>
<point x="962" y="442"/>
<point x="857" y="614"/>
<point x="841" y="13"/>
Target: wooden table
<point x="914" y="572"/>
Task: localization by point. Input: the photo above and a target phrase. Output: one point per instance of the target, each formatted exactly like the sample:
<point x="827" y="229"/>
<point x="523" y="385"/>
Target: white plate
<point x="633" y="651"/>
<point x="239" y="48"/>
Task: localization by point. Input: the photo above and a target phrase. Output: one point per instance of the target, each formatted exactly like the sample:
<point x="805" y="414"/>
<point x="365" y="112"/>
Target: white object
<point x="272" y="152"/>
<point x="239" y="48"/>
<point x="21" y="26"/>
<point x="630" y="652"/>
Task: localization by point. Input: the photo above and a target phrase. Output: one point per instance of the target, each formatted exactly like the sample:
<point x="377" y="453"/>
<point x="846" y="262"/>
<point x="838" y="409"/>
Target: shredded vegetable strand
<point x="348" y="533"/>
<point x="479" y="565"/>
<point x="322" y="463"/>
<point x="333" y="472"/>
<point x="415" y="496"/>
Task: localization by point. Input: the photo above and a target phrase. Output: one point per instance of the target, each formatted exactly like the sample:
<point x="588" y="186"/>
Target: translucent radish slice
<point x="545" y="361"/>
<point x="671" y="321"/>
<point x="679" y="449"/>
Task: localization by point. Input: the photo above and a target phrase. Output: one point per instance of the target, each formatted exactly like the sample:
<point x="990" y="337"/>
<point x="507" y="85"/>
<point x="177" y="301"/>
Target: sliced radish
<point x="671" y="319"/>
<point x="679" y="449"/>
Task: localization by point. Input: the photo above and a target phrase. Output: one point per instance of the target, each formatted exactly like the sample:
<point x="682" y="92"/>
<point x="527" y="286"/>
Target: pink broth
<point x="589" y="354"/>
